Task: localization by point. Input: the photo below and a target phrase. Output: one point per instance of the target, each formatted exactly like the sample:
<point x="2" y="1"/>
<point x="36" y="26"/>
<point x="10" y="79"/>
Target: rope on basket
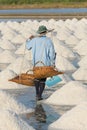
<point x="20" y="74"/>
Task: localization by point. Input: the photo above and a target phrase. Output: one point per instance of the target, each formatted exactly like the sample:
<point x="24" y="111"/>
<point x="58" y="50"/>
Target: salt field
<point x="65" y="104"/>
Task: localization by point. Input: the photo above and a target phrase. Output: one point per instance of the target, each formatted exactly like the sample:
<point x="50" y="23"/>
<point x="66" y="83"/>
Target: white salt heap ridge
<point x="10" y="103"/>
<point x="11" y="121"/>
<point x="18" y="39"/>
<point x="2" y="24"/>
<point x="80" y="31"/>
<point x="75" y="119"/>
<point x="5" y="85"/>
<point x="72" y="93"/>
<point x="64" y="64"/>
<point x="14" y="26"/>
<point x="8" y="33"/>
<point x="20" y="65"/>
<point x="7" y="29"/>
<point x="7" y="45"/>
<point x="63" y="34"/>
<point x="81" y="48"/>
<point x="69" y="38"/>
<point x="83" y="62"/>
<point x="5" y="75"/>
<point x="71" y="24"/>
<point x="65" y="78"/>
<point x="21" y="50"/>
<point x="80" y="74"/>
<point x="60" y="23"/>
<point x="62" y="50"/>
<point x="72" y="40"/>
<point x="7" y="57"/>
<point x="1" y="50"/>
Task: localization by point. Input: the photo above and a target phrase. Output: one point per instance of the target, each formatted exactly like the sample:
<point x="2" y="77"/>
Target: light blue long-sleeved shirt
<point x="42" y="51"/>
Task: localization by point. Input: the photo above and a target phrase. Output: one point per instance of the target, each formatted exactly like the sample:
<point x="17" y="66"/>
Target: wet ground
<point x="43" y="114"/>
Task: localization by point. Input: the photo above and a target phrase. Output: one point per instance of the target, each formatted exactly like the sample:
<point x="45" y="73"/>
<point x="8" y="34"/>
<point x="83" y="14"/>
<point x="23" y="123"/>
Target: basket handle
<point x="28" y="71"/>
<point x="40" y="62"/>
<point x="60" y="72"/>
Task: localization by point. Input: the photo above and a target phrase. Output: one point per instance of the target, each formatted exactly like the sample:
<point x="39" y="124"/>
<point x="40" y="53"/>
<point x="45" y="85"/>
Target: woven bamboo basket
<point x="45" y="71"/>
<point x="24" y="79"/>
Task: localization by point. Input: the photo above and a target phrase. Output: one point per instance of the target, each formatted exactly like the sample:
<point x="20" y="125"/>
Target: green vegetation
<point x="18" y="2"/>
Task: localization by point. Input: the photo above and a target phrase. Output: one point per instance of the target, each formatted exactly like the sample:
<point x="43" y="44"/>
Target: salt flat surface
<point x="11" y="121"/>
<point x="83" y="62"/>
<point x="75" y="119"/>
<point x="7" y="45"/>
<point x="10" y="103"/>
<point x="69" y="38"/>
<point x="80" y="74"/>
<point x="71" y="93"/>
<point x="7" y="57"/>
<point x="64" y="64"/>
<point x="20" y="65"/>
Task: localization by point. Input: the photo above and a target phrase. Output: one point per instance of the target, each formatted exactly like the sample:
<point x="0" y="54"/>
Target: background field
<point x="42" y="3"/>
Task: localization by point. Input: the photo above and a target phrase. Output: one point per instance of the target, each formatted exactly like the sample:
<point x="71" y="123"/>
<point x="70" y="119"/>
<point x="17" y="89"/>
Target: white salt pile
<point x="10" y="103"/>
<point x="21" y="50"/>
<point x="83" y="62"/>
<point x="63" y="34"/>
<point x="8" y="33"/>
<point x="25" y="53"/>
<point x="80" y="74"/>
<point x="19" y="39"/>
<point x="64" y="64"/>
<point x="75" y="119"/>
<point x="65" y="78"/>
<point x="70" y="94"/>
<point x="72" y="40"/>
<point x="8" y="57"/>
<point x="11" y="121"/>
<point x="5" y="75"/>
<point x="1" y="50"/>
<point x="20" y="65"/>
<point x="81" y="48"/>
<point x="7" y="45"/>
<point x="62" y="50"/>
<point x="10" y="85"/>
<point x="80" y="31"/>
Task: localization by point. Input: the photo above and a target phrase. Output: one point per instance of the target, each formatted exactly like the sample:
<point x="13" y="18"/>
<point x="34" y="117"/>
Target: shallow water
<point x="43" y="114"/>
<point x="42" y="11"/>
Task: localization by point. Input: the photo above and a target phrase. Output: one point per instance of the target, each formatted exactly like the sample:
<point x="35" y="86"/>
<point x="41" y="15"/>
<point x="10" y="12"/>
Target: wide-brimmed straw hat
<point x="42" y="29"/>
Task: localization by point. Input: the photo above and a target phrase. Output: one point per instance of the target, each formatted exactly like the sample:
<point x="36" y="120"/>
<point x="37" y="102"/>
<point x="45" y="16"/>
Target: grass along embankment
<point x="32" y="4"/>
<point x="18" y="5"/>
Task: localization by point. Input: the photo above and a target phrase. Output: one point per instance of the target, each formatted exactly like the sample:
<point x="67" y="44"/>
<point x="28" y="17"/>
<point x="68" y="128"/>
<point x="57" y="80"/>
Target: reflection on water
<point x="41" y="117"/>
<point x="40" y="113"/>
<point x="44" y="114"/>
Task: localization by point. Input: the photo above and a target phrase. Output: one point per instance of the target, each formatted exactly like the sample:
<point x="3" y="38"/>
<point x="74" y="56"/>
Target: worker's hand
<point x="31" y="37"/>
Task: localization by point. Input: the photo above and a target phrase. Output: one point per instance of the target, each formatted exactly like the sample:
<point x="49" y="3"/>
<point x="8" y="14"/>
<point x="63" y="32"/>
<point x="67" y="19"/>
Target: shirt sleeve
<point x="52" y="54"/>
<point x="29" y="44"/>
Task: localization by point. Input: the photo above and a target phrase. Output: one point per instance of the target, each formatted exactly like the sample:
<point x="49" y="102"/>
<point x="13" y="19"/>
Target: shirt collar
<point x="43" y="36"/>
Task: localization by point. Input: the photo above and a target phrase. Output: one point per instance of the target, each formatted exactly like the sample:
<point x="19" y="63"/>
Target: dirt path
<point x="44" y="16"/>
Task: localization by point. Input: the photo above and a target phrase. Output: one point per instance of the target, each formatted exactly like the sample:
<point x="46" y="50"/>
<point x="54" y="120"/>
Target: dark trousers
<point x="39" y="85"/>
